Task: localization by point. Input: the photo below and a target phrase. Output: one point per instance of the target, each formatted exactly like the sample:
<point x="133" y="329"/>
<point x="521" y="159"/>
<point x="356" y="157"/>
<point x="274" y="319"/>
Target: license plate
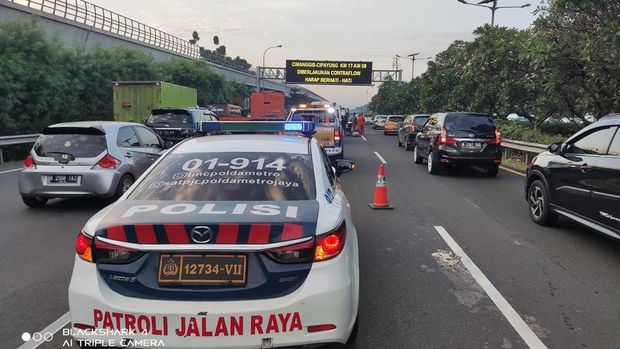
<point x="63" y="178"/>
<point x="471" y="145"/>
<point x="326" y="142"/>
<point x="166" y="132"/>
<point x="207" y="269"/>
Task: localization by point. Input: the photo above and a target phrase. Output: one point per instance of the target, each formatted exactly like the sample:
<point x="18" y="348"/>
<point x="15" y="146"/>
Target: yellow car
<point x="392" y="124"/>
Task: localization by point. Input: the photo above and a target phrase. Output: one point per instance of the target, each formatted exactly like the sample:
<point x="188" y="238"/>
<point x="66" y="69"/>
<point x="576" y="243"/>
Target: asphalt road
<point x="562" y="281"/>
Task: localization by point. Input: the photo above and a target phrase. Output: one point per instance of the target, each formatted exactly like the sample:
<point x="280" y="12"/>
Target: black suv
<point x="459" y="139"/>
<point x="579" y="179"/>
<point x="177" y="124"/>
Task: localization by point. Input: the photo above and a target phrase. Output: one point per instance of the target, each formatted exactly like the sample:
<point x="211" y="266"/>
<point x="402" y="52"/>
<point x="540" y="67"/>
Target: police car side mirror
<point x="343" y="166"/>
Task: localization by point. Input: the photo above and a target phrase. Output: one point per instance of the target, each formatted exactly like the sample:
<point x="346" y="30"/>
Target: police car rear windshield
<point x="316" y="116"/>
<point x="230" y="177"/>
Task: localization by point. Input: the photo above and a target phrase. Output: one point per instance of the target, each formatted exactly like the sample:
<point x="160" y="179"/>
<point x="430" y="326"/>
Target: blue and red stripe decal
<point x="223" y="233"/>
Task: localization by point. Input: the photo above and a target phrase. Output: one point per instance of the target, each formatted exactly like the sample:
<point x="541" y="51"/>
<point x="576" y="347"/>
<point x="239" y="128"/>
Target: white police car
<point x="229" y="241"/>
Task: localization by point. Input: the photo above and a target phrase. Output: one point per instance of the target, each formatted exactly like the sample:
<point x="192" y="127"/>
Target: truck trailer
<point x="134" y="100"/>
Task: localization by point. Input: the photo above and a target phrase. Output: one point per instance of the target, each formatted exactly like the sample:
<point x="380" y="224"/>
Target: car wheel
<point x="123" y="185"/>
<point x="417" y="158"/>
<point x="34" y="201"/>
<point x="538" y="201"/>
<point x="433" y="165"/>
<point x="491" y="171"/>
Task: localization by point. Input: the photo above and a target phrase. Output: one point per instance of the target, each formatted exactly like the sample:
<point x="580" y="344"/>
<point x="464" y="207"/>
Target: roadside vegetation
<point x="564" y="66"/>
<point x="43" y="81"/>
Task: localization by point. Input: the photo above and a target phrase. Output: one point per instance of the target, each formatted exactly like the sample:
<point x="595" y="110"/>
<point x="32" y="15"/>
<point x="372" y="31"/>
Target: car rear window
<point x="420" y="120"/>
<point x="316" y="116"/>
<point x="396" y="118"/>
<point x="170" y="118"/>
<point x="230" y="177"/>
<point x="80" y="143"/>
<point x="476" y="124"/>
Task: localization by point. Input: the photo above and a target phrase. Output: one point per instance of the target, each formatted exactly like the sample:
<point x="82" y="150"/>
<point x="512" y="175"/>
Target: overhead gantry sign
<point x="348" y="73"/>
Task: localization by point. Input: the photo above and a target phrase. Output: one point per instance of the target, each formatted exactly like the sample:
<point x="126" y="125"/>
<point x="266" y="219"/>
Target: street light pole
<point x="492" y="7"/>
<point x="413" y="58"/>
<point x="264" y="53"/>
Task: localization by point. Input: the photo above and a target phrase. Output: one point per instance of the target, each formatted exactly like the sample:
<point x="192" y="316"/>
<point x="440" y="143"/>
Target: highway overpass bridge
<point x="80" y="23"/>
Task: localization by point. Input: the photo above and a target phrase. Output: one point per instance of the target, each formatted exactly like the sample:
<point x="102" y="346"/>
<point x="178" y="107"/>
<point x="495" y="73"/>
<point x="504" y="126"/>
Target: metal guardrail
<point x="98" y="17"/>
<point x="19" y="139"/>
<point x="525" y="147"/>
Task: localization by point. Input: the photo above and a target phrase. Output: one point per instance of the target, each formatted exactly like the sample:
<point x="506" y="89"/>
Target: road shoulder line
<point x="526" y="333"/>
<point x="13" y="170"/>
<point x="512" y="171"/>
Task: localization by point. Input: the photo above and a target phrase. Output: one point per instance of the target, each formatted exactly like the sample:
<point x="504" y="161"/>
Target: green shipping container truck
<point x="134" y="100"/>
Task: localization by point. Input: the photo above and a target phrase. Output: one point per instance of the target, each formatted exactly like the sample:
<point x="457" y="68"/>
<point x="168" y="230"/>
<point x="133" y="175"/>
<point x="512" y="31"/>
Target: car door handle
<point x="151" y="156"/>
<point x="128" y="154"/>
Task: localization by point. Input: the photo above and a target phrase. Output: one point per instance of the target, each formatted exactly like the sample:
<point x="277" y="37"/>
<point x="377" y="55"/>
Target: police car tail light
<point x="444" y="139"/>
<point x="329" y="245"/>
<point x="300" y="253"/>
<point x="29" y="162"/>
<point x="108" y="162"/>
<point x="112" y="254"/>
<point x="337" y="135"/>
<point x="83" y="247"/>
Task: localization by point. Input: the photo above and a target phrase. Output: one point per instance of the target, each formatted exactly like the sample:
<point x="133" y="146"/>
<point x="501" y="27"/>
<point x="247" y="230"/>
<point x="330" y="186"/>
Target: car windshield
<point x="170" y="118"/>
<point x="78" y="143"/>
<point x="230" y="177"/>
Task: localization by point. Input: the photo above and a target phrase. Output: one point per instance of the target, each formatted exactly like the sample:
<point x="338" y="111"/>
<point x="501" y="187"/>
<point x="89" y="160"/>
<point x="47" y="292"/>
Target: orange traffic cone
<point x="380" y="201"/>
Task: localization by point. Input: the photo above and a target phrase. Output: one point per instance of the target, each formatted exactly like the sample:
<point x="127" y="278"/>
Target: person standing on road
<point x="361" y="124"/>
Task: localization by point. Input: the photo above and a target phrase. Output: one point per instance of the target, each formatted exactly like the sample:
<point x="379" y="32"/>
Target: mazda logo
<point x="202" y="234"/>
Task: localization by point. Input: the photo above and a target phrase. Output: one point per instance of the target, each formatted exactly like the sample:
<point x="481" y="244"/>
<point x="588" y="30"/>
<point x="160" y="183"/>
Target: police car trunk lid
<point x="163" y="230"/>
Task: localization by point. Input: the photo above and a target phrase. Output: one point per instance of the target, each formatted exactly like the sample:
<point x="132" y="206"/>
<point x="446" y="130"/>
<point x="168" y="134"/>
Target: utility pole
<point x="493" y="7"/>
<point x="264" y="53"/>
<point x="413" y="58"/>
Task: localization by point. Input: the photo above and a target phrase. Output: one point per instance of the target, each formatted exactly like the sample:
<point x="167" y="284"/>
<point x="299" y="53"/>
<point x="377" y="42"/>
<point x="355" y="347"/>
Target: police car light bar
<point x="304" y="127"/>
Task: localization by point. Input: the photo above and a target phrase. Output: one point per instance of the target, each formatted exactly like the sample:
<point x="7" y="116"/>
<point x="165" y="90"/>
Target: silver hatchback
<point x="87" y="158"/>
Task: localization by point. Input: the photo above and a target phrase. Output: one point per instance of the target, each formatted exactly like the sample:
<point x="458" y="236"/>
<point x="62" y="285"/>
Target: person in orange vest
<point x="361" y="124"/>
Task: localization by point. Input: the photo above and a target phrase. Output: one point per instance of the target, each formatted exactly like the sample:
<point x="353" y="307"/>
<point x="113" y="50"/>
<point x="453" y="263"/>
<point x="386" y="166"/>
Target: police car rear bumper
<point x="329" y="296"/>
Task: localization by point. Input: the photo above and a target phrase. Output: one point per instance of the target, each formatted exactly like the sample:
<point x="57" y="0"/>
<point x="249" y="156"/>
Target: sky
<point x="355" y="30"/>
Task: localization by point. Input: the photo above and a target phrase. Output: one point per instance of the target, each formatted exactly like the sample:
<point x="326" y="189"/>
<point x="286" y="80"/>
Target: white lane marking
<point x="13" y="170"/>
<point x="364" y="138"/>
<point x="381" y="158"/>
<point x="52" y="328"/>
<point x="526" y="333"/>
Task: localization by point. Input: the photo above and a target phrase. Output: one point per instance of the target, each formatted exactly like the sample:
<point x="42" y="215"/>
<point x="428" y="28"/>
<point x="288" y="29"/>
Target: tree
<point x="195" y="38"/>
<point x="296" y="97"/>
<point x="101" y="67"/>
<point x="221" y="50"/>
<point x="211" y="87"/>
<point x="576" y="51"/>
<point x="40" y="79"/>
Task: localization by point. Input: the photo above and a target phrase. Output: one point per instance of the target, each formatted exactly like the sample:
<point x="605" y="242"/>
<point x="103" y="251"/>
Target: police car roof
<point x="245" y="143"/>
